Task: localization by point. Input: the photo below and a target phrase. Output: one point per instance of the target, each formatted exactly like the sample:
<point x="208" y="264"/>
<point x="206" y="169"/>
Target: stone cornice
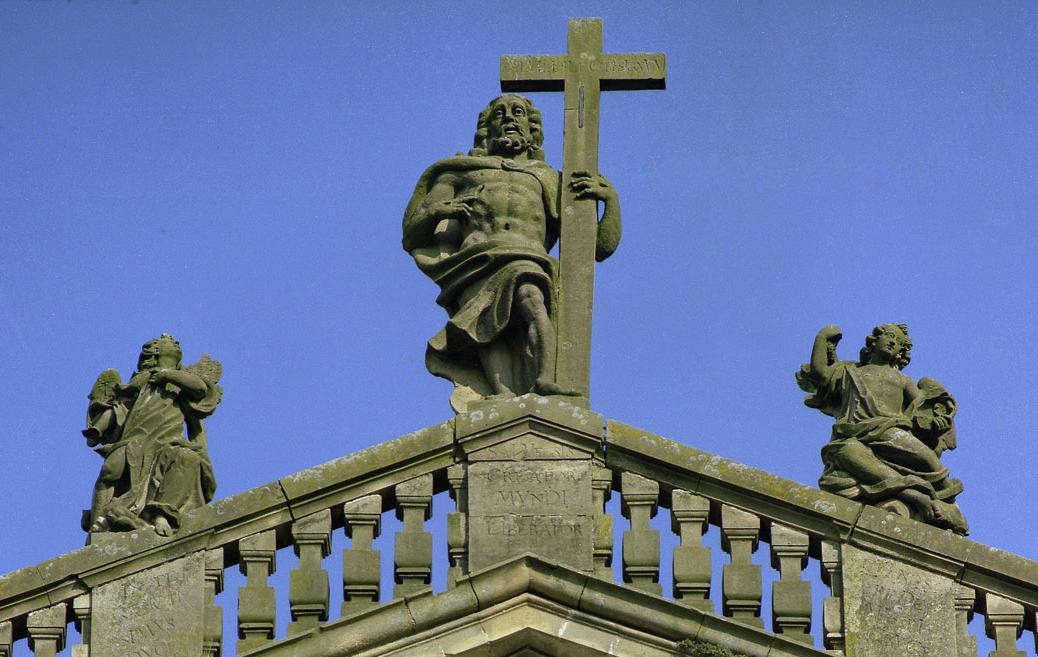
<point x="431" y="450"/>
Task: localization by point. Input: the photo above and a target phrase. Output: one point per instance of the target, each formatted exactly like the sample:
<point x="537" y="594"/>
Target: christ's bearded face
<point x="508" y="127"/>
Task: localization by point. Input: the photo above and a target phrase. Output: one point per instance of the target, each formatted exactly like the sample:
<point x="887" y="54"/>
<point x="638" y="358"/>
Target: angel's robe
<point x="894" y="438"/>
<point x="478" y="283"/>
<point x="169" y="474"/>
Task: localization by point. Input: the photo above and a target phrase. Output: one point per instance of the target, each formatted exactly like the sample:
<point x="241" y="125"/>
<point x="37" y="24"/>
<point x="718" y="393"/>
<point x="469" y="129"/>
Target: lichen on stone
<point x="694" y="648"/>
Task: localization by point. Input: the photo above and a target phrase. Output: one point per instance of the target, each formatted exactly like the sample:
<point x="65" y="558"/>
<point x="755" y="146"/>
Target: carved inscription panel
<point x="892" y="608"/>
<point x="556" y="67"/>
<point x="527" y="448"/>
<point x="155" y="613"/>
<point x="543" y="507"/>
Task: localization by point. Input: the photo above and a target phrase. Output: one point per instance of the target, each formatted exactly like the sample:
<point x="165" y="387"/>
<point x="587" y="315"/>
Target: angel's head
<point x="888" y="344"/>
<point x="163" y="352"/>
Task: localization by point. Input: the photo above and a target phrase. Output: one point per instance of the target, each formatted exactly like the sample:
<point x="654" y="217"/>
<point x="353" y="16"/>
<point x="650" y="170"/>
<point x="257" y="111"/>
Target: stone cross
<point x="581" y="74"/>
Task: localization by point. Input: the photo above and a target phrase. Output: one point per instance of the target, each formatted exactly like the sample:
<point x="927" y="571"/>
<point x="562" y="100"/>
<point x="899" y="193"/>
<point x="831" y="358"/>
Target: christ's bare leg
<point x="540" y="336"/>
<point x="497" y="366"/>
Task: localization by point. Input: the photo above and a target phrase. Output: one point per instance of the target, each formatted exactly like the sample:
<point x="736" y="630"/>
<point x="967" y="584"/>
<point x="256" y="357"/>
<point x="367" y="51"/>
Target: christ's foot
<point x="547" y="387"/>
<point x="162" y="526"/>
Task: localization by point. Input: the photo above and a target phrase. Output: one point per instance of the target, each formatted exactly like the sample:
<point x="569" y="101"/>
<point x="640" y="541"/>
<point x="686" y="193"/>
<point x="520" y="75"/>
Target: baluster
<point x="361" y="572"/>
<point x="832" y="606"/>
<point x="691" y="566"/>
<point x="601" y="483"/>
<point x="46" y="629"/>
<point x="212" y="633"/>
<point x="1005" y="620"/>
<point x="308" y="584"/>
<point x="81" y="617"/>
<point x="741" y="579"/>
<point x="1034" y="624"/>
<point x="256" y="604"/>
<point x="6" y="639"/>
<point x="457" y="525"/>
<point x="790" y="595"/>
<point x="965" y="599"/>
<point x="641" y="545"/>
<point x="413" y="546"/>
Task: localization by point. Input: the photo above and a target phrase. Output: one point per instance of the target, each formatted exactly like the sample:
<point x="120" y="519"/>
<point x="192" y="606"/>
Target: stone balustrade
<point x="862" y="566"/>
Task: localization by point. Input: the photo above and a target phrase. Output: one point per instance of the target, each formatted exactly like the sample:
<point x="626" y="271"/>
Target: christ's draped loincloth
<point x="478" y="283"/>
<point x="478" y="287"/>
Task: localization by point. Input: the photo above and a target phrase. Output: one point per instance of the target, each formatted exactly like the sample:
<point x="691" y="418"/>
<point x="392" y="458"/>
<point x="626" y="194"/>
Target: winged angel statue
<point x="153" y="470"/>
<point x="889" y="431"/>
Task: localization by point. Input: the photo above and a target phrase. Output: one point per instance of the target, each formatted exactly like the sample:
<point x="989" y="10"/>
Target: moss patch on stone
<point x="695" y="648"/>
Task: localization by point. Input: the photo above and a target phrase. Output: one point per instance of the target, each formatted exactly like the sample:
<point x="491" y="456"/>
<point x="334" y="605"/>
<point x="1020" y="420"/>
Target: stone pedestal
<point x="158" y="612"/>
<point x="529" y="472"/>
<point x="892" y="608"/>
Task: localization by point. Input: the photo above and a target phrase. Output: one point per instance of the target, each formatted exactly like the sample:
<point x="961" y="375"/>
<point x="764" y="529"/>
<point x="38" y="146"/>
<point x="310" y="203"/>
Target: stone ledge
<point x="225" y="521"/>
<point x="391" y="455"/>
<point x="553" y="419"/>
<point x="679" y="466"/>
<point x="821" y="513"/>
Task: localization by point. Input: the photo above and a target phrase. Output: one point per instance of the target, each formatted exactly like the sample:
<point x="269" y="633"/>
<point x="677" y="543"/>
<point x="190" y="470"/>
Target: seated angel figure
<point x="153" y="471"/>
<point x="889" y="431"/>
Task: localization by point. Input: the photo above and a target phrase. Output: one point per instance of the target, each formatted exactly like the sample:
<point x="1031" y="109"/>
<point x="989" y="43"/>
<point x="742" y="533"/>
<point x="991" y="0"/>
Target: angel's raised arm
<point x="823" y="352"/>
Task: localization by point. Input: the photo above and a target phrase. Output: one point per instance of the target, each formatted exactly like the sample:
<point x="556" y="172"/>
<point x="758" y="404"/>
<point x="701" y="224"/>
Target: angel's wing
<point x="208" y="369"/>
<point x="103" y="391"/>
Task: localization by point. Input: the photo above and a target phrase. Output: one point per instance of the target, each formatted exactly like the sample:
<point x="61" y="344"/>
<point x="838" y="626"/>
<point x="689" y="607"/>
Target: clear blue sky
<point x="235" y="173"/>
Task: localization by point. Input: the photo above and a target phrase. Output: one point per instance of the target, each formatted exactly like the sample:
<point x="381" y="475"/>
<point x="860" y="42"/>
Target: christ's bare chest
<point x="510" y="209"/>
<point x="511" y="194"/>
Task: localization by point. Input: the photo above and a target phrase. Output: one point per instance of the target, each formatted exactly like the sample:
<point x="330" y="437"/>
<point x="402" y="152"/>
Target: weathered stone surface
<point x="417" y="446"/>
<point x="543" y="507"/>
<point x="1003" y="622"/>
<point x="154" y="613"/>
<point x="691" y="565"/>
<point x="741" y="587"/>
<point x="641" y="543"/>
<point x="802" y="507"/>
<point x="412" y="547"/>
<point x="881" y="531"/>
<point x="308" y="584"/>
<point x="550" y="427"/>
<point x="527" y="448"/>
<point x="892" y="608"/>
<point x="6" y="639"/>
<point x="46" y="630"/>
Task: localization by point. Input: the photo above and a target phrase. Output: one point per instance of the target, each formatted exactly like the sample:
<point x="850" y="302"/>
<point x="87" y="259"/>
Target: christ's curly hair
<point x="479" y="142"/>
<point x="902" y="359"/>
